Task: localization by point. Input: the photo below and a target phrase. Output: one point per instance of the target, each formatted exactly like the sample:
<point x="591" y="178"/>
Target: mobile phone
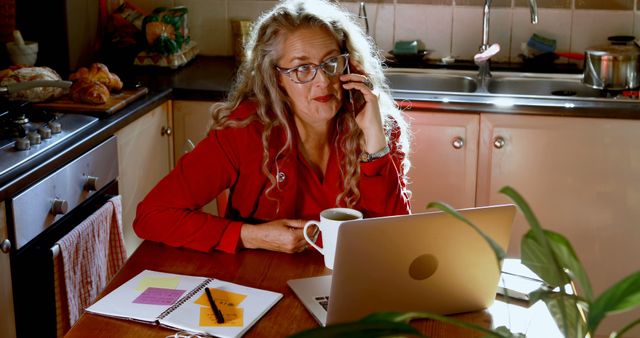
<point x="356" y="99"/>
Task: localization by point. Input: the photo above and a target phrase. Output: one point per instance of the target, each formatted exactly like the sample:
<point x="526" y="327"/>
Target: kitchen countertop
<point x="204" y="78"/>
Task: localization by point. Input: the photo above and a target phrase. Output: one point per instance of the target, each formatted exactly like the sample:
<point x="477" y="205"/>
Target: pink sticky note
<point x="158" y="296"/>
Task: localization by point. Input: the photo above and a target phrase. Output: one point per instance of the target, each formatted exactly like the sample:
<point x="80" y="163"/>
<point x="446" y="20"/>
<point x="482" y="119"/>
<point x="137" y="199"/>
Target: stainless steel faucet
<point x="362" y="14"/>
<point x="486" y="50"/>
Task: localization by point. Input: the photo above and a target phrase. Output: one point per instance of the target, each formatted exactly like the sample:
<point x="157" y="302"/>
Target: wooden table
<point x="270" y="271"/>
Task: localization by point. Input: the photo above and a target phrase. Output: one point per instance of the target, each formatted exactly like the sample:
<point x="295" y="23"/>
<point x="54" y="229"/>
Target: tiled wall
<point x="447" y="27"/>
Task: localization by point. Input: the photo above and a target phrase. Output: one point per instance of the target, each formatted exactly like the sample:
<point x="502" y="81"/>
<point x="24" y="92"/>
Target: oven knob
<point x="45" y="132"/>
<point x="34" y="138"/>
<point x="59" y="207"/>
<point x="91" y="184"/>
<point x="55" y="126"/>
<point x="23" y="143"/>
<point x="5" y="246"/>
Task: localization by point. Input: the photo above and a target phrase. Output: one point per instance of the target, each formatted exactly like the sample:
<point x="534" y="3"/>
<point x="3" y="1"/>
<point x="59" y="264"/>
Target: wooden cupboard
<point x="7" y="315"/>
<point x="191" y="120"/>
<point x="444" y="154"/>
<point x="145" y="155"/>
<point x="581" y="177"/>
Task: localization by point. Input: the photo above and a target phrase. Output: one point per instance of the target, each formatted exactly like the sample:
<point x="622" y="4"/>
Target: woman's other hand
<point x="368" y="118"/>
<point x="284" y="235"/>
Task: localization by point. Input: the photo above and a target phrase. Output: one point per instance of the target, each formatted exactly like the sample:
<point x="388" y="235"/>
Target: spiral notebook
<point x="180" y="302"/>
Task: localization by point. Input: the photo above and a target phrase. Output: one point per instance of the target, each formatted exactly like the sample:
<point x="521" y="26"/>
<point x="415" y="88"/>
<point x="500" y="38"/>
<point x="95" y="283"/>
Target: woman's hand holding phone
<point x="364" y="105"/>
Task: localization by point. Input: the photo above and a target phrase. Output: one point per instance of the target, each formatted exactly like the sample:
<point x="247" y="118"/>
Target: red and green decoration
<point x="166" y="31"/>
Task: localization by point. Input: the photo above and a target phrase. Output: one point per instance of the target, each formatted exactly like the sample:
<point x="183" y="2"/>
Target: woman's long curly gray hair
<point x="257" y="81"/>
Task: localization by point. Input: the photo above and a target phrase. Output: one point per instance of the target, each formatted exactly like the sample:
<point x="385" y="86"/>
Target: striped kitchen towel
<point x="92" y="253"/>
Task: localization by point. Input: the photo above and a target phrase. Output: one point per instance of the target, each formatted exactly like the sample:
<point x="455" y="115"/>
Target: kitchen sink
<point x="530" y="92"/>
<point x="432" y="82"/>
<point x="501" y="83"/>
<point x="548" y="87"/>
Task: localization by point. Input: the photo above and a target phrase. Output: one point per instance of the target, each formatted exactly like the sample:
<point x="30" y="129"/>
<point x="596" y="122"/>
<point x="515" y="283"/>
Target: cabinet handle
<point x="188" y="146"/>
<point x="498" y="142"/>
<point x="458" y="142"/>
<point x="5" y="246"/>
<point x="166" y="131"/>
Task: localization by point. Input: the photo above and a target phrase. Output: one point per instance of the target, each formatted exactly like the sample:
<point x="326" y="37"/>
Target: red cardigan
<point x="232" y="158"/>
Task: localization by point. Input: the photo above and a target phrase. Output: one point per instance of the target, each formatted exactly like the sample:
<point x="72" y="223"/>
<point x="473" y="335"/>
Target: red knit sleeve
<point x="171" y="213"/>
<point x="382" y="184"/>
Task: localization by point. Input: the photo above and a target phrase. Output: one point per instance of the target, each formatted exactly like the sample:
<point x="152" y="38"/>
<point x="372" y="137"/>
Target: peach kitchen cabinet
<point x="581" y="177"/>
<point x="7" y="315"/>
<point x="191" y="121"/>
<point x="145" y="155"/>
<point x="444" y="153"/>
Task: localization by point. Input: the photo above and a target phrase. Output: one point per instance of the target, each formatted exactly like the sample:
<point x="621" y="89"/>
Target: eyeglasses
<point x="306" y="73"/>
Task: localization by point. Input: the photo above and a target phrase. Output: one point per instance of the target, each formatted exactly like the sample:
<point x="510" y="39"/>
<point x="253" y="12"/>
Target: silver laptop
<point x="421" y="262"/>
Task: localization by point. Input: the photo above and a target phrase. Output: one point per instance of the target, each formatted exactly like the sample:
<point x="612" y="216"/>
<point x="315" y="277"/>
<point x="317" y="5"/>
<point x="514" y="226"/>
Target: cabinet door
<point x="444" y="152"/>
<point x="580" y="176"/>
<point x="144" y="157"/>
<point x="191" y="120"/>
<point x="7" y="318"/>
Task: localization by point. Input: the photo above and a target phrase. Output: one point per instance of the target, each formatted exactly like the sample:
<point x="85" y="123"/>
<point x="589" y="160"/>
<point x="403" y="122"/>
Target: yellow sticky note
<point x="227" y="302"/>
<point x="221" y="297"/>
<point x="233" y="316"/>
<point x="158" y="282"/>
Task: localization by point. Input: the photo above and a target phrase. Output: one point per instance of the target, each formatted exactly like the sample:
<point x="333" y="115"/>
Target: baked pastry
<point x="88" y="91"/>
<point x="98" y="72"/>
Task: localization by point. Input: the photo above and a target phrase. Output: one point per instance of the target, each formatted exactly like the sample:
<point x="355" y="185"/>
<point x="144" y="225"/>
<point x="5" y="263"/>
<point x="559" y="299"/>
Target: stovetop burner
<point x="26" y="132"/>
<point x="22" y="124"/>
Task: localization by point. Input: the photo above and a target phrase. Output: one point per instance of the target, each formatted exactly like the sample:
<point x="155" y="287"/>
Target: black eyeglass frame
<point x="288" y="71"/>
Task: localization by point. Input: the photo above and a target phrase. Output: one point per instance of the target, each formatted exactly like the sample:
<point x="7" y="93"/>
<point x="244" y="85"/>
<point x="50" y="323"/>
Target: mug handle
<point x="304" y="232"/>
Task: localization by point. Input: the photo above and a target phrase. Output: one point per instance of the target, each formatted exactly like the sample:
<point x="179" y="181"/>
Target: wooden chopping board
<point x="116" y="102"/>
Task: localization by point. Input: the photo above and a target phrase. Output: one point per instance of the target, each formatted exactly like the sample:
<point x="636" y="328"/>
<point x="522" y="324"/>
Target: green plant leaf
<point x="533" y="255"/>
<point x="360" y="329"/>
<point x="406" y="317"/>
<point x="541" y="249"/>
<point x="565" y="310"/>
<point x="537" y="234"/>
<point x="506" y="332"/>
<point x="497" y="249"/>
<point x="383" y="324"/>
<point x="398" y="317"/>
<point x="624" y="329"/>
<point x="624" y="295"/>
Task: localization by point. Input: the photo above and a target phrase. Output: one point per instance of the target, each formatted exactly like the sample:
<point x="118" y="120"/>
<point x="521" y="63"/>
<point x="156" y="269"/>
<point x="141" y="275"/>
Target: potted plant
<point x="548" y="254"/>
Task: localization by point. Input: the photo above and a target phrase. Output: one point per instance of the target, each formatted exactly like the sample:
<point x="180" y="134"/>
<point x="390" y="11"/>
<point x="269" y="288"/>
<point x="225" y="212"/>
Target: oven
<point x="34" y="216"/>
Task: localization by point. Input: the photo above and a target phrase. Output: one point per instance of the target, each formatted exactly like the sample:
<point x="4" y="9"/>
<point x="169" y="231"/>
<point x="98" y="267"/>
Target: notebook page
<point x="241" y="306"/>
<point x="145" y="296"/>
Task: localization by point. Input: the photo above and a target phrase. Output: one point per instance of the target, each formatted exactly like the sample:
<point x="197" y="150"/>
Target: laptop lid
<point x="421" y="262"/>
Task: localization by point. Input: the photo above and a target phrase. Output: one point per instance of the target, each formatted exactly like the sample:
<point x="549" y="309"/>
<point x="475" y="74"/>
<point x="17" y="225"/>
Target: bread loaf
<point x="89" y="91"/>
<point x="100" y="73"/>
<point x="26" y="74"/>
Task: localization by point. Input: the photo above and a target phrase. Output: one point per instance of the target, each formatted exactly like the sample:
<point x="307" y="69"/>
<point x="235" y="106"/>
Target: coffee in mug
<point x="330" y="220"/>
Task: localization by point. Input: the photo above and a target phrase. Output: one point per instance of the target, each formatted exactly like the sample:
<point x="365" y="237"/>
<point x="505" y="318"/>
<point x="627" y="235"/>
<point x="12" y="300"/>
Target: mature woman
<point x="308" y="125"/>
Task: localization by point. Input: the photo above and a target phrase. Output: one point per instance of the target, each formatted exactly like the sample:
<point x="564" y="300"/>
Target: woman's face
<point x="318" y="100"/>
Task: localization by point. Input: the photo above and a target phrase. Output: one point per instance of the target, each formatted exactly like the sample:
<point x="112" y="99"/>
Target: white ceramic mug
<point x="330" y="220"/>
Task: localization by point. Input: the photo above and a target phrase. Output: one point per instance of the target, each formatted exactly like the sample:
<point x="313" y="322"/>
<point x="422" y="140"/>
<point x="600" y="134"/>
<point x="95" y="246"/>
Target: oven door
<point x="43" y="214"/>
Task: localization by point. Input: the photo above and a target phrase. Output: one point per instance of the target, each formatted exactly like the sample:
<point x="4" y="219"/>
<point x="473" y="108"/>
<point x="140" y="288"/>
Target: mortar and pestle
<point x="22" y="52"/>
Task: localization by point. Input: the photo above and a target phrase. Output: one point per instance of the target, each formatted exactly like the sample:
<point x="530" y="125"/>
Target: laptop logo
<point x="423" y="266"/>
